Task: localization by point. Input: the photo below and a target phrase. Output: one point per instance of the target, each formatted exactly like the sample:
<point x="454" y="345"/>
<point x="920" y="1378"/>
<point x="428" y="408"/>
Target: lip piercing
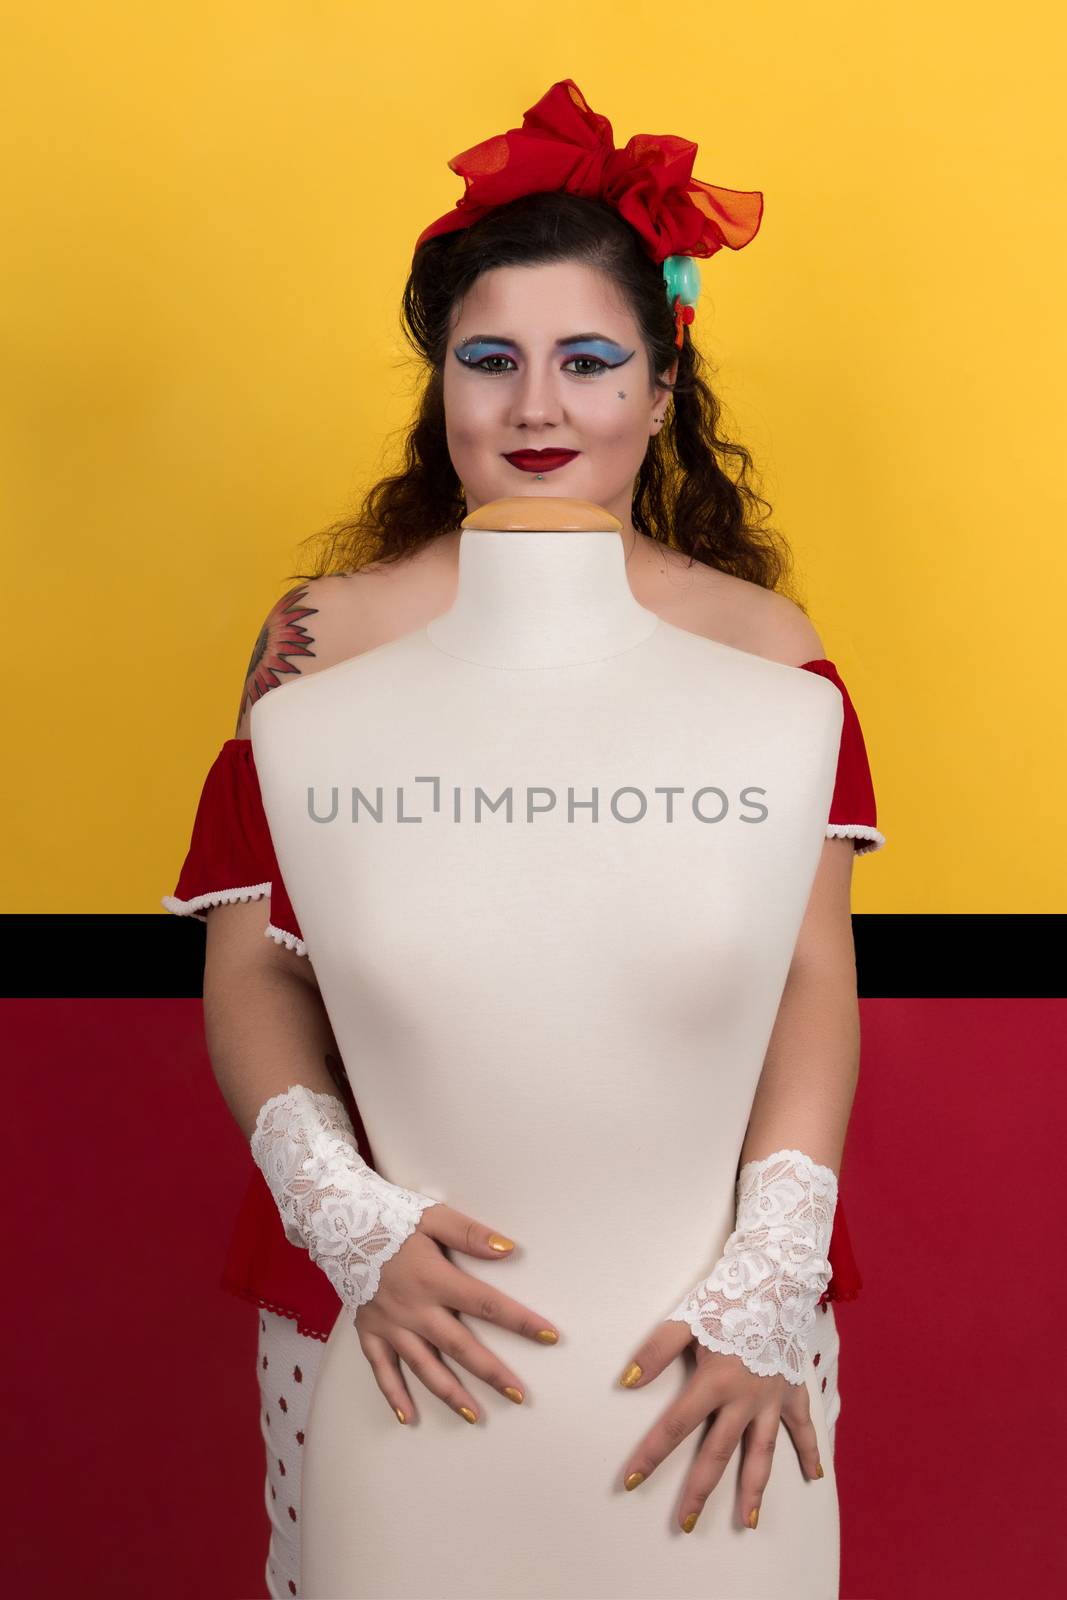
<point x="621" y="397"/>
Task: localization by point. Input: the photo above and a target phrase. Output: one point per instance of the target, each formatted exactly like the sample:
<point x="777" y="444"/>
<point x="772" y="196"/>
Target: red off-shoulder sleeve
<point x="231" y="854"/>
<point x="852" y="811"/>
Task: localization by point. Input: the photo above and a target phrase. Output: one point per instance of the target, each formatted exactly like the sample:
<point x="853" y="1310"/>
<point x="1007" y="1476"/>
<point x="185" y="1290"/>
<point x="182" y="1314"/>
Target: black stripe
<point x="897" y="957"/>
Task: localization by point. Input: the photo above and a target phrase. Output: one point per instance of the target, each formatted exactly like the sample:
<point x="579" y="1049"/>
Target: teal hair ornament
<point x="682" y="278"/>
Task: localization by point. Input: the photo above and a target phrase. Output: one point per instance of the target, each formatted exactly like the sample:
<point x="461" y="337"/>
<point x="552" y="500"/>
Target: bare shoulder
<point x="734" y="611"/>
<point x="781" y="631"/>
<point x="386" y="600"/>
<point x="305" y="630"/>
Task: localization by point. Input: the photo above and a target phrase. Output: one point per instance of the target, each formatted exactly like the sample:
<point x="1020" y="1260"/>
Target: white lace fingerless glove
<point x="758" y="1302"/>
<point x="349" y="1218"/>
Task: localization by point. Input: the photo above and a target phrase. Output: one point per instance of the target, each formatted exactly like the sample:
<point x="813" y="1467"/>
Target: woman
<point x="650" y="453"/>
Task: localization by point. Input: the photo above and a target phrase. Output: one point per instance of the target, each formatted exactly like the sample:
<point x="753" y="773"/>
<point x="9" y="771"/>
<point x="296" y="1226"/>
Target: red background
<point x="133" y="1461"/>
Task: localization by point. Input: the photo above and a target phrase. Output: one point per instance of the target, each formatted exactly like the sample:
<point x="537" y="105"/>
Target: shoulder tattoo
<point x="282" y="638"/>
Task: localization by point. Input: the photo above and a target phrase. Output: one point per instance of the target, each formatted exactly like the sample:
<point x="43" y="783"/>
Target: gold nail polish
<point x="497" y="1241"/>
<point x="630" y="1376"/>
<point x="465" y="1411"/>
<point x="514" y="1394"/>
<point x="400" y="1417"/>
<point x="753" y="1516"/>
<point x="634" y="1479"/>
<point x="819" y="1473"/>
<point x="690" y="1522"/>
<point x="546" y="1336"/>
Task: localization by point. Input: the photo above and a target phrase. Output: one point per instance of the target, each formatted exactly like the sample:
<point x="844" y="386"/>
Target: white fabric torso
<point x="556" y="1025"/>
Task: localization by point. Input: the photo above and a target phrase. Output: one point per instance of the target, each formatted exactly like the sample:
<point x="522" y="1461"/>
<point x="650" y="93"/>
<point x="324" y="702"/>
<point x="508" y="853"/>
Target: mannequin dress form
<point x="550" y="856"/>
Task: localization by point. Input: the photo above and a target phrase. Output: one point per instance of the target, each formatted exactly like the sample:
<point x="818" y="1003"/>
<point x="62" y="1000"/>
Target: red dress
<point x="231" y="857"/>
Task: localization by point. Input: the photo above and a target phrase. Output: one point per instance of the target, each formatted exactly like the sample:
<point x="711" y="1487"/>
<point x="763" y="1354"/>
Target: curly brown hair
<point x="684" y="496"/>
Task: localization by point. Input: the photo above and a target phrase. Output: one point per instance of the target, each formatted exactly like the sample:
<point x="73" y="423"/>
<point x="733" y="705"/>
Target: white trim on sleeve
<point x="199" y="904"/>
<point x="217" y="897"/>
<point x="872" y="839"/>
<point x="289" y="940"/>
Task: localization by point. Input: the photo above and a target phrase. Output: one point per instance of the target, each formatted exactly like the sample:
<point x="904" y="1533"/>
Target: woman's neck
<point x="541" y="599"/>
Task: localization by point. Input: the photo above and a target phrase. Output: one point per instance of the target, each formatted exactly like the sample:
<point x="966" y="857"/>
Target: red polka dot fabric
<point x="823" y="1351"/>
<point x="287" y="1362"/>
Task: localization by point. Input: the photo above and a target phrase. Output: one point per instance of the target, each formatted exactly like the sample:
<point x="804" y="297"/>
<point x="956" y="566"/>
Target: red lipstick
<point x="540" y="460"/>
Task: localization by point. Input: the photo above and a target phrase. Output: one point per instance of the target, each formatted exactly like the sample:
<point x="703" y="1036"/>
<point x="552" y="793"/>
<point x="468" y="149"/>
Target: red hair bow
<point x="562" y="144"/>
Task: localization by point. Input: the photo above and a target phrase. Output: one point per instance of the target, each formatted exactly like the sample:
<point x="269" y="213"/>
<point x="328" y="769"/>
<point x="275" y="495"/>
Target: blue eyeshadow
<point x="601" y="349"/>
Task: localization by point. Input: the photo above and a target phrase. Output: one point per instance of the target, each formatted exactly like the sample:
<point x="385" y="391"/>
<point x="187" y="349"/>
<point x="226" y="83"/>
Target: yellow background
<point x="209" y="212"/>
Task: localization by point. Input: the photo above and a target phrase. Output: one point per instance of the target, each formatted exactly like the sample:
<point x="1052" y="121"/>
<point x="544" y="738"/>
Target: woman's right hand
<point x="411" y="1313"/>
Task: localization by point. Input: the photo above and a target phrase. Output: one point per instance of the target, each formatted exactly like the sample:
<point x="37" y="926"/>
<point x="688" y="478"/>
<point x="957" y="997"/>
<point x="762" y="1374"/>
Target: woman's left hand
<point x="748" y="1407"/>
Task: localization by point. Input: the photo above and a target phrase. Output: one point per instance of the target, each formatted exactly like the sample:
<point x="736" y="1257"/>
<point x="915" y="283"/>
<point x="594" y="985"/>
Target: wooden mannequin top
<point x="526" y="513"/>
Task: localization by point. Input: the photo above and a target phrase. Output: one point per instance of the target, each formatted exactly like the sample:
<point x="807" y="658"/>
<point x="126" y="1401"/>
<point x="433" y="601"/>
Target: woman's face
<point x="547" y="358"/>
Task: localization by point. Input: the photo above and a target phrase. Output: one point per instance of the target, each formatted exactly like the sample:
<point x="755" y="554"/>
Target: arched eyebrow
<point x="575" y="338"/>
